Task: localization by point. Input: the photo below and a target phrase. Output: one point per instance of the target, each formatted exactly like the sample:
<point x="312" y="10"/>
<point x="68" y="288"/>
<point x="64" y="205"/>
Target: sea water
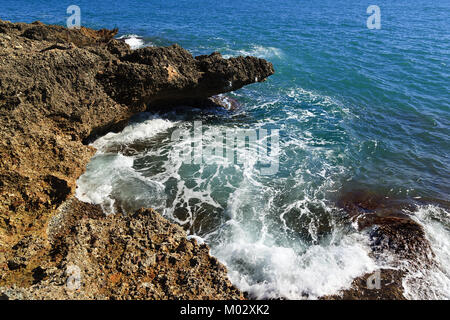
<point x="354" y="108"/>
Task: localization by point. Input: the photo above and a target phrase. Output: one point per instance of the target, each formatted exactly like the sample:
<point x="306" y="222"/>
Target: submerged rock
<point x="390" y="287"/>
<point x="395" y="238"/>
<point x="58" y="89"/>
<point x="390" y="227"/>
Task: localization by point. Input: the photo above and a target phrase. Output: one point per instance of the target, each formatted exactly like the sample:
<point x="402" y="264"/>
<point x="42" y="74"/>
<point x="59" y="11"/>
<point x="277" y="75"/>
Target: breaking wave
<point x="254" y="50"/>
<point x="278" y="235"/>
<point x="433" y="282"/>
<point x="135" y="41"/>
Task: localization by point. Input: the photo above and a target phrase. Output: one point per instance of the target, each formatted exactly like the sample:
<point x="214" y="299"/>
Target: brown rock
<point x="390" y="227"/>
<point x="390" y="287"/>
<point x="392" y="231"/>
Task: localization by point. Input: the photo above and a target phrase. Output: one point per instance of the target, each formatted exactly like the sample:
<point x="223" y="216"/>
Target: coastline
<point x="62" y="87"/>
<point x="78" y="84"/>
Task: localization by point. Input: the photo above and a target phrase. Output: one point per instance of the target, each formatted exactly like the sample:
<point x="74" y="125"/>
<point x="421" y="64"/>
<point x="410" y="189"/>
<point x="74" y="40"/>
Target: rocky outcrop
<point x="58" y="89"/>
<point x="139" y="256"/>
<point x="170" y="76"/>
<point x="393" y="234"/>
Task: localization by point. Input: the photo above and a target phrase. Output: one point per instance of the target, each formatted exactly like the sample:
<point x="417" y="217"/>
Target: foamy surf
<point x="433" y="282"/>
<point x="233" y="208"/>
<point x="255" y="50"/>
<point x="134" y="41"/>
<point x="145" y="127"/>
<point x="270" y="271"/>
<point x="110" y="179"/>
<point x="279" y="238"/>
<point x="238" y="212"/>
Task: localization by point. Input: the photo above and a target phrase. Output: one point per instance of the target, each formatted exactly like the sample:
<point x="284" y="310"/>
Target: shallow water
<point x="355" y="108"/>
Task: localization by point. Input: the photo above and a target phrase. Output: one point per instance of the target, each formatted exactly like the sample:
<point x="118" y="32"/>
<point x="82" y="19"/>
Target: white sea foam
<point x="111" y="182"/>
<point x="272" y="271"/>
<point x="242" y="208"/>
<point x="110" y="178"/>
<point x="134" y="41"/>
<point x="255" y="50"/>
<point x="266" y="261"/>
<point x="433" y="283"/>
<point x="301" y="95"/>
<point x="96" y="185"/>
<point x="149" y="126"/>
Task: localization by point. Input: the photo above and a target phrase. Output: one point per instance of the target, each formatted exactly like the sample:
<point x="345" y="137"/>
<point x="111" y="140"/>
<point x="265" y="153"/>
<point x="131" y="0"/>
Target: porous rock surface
<point x="138" y="256"/>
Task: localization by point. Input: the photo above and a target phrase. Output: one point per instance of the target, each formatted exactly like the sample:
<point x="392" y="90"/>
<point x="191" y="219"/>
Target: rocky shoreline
<point x="61" y="88"/>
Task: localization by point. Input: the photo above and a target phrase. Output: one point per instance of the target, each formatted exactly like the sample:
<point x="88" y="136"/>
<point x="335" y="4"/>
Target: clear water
<point x="355" y="108"/>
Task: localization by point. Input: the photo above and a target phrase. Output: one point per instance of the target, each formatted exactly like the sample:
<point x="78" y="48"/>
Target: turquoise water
<point x="355" y="109"/>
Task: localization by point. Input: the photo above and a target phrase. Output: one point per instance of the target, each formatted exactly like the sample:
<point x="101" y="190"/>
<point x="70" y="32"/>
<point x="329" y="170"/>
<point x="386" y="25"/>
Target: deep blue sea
<point x="356" y="108"/>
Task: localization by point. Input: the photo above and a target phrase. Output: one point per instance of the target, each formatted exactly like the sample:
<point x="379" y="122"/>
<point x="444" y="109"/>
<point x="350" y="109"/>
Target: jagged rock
<point x="170" y="75"/>
<point x="139" y="256"/>
<point x="58" y="89"/>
